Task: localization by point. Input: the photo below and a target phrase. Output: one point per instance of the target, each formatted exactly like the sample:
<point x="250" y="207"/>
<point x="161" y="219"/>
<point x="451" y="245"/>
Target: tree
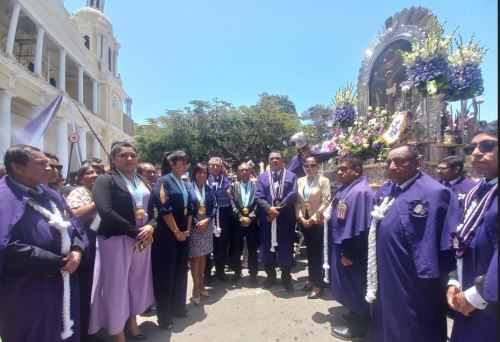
<point x="217" y="128"/>
<point x="318" y="118"/>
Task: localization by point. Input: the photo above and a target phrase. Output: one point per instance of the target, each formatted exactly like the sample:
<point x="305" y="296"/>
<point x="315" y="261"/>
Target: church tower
<point x="97" y="4"/>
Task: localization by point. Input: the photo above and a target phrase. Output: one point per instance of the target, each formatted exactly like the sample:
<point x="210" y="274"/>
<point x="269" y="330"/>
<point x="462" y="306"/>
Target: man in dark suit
<point x="244" y="207"/>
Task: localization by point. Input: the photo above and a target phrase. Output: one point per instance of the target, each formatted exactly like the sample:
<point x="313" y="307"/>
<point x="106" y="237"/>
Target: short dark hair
<point x="411" y="148"/>
<point x="19" y="154"/>
<point x="352" y="161"/>
<point x="275" y="151"/>
<point x="177" y="155"/>
<point x="491" y="129"/>
<point x="197" y="168"/>
<point x="453" y="162"/>
<point x="165" y="163"/>
<point x="51" y="156"/>
<point x="140" y="167"/>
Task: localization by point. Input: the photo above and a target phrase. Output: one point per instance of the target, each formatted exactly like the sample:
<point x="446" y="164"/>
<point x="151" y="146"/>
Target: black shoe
<point x="181" y="314"/>
<point x="253" y="281"/>
<point x="166" y="326"/>
<point x="314" y="295"/>
<point x="344" y="333"/>
<point x="236" y="278"/>
<point x="269" y="282"/>
<point x="306" y="288"/>
<point x="288" y="286"/>
<point x="137" y="337"/>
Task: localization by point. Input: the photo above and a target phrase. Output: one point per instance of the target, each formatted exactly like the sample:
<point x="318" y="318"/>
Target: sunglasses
<point x="484" y="146"/>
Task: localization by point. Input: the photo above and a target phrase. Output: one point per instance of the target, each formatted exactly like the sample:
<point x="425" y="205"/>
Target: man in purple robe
<point x="450" y="174"/>
<point x="473" y="288"/>
<point x="223" y="219"/>
<point x="31" y="257"/>
<point x="276" y="193"/>
<point x="349" y="222"/>
<point x="296" y="165"/>
<point x="407" y="278"/>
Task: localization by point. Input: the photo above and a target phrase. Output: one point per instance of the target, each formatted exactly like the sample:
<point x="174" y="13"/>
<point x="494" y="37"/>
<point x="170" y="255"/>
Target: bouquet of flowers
<point x="466" y="80"/>
<point x="427" y="64"/>
<point x="344" y="104"/>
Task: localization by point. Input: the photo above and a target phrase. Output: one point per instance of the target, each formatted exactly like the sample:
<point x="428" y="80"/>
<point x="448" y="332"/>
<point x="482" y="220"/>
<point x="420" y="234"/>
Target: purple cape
<point x="285" y="221"/>
<point x="481" y="258"/>
<point x="348" y="284"/>
<point x="461" y="188"/>
<point x="413" y="259"/>
<point x="31" y="304"/>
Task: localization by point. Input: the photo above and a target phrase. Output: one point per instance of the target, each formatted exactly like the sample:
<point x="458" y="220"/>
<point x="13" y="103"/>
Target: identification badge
<point x="245" y="211"/>
<point x="202" y="210"/>
<point x="185" y="211"/>
<point x="139" y="213"/>
<point x="308" y="205"/>
<point x="342" y="211"/>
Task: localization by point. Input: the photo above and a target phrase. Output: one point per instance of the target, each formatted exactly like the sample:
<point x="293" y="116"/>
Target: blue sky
<point x="176" y="51"/>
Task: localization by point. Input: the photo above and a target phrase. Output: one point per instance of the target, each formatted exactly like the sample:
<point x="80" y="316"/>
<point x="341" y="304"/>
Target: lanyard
<point x="136" y="190"/>
<point x="246" y="189"/>
<point x="214" y="182"/>
<point x="278" y="187"/>
<point x="308" y="188"/>
<point x="200" y="195"/>
<point x="182" y="188"/>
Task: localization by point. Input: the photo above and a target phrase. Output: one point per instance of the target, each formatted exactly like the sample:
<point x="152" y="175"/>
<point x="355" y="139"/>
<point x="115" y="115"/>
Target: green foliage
<point x="217" y="128"/>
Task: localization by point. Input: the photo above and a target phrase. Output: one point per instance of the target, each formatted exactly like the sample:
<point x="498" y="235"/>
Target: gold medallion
<point x="308" y="205"/>
<point x="139" y="213"/>
<point x="245" y="211"/>
<point x="342" y="211"/>
<point x="185" y="211"/>
<point x="202" y="210"/>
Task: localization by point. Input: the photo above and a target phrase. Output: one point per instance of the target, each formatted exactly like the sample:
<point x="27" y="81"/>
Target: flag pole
<point x="88" y="124"/>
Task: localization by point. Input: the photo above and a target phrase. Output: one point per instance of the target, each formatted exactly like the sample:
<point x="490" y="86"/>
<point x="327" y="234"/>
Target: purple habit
<point x="31" y="290"/>
<point x="461" y="188"/>
<point x="295" y="165"/>
<point x="285" y="221"/>
<point x="481" y="258"/>
<point x="414" y="259"/>
<point x="348" y="284"/>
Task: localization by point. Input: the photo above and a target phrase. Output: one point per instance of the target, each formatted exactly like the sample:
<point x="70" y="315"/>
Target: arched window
<point x="52" y="82"/>
<point x="86" y="42"/>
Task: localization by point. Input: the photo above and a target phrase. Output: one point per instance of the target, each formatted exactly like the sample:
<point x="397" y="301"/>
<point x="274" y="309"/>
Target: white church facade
<point x="44" y="52"/>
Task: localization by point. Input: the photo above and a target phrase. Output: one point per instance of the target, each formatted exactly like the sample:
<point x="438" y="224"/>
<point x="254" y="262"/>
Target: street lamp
<point x="479" y="99"/>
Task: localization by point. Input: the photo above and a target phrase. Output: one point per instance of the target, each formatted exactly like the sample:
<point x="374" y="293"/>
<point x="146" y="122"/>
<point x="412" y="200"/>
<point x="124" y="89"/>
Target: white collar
<point x="455" y="181"/>
<point x="408" y="182"/>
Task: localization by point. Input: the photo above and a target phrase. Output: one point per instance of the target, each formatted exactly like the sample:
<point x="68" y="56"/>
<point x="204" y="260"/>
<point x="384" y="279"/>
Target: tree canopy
<point x="217" y="128"/>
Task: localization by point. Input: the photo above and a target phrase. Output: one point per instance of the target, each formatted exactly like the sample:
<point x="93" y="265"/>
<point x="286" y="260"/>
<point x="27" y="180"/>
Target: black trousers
<point x="313" y="237"/>
<point x="85" y="278"/>
<point x="169" y="259"/>
<point x="251" y="234"/>
<point x="220" y="243"/>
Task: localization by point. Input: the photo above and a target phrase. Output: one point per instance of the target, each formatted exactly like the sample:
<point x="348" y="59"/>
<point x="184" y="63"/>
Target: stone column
<point x="80" y="84"/>
<point x="96" y="148"/>
<point x="39" y="50"/>
<point x="62" y="69"/>
<point x="62" y="144"/>
<point x="95" y="99"/>
<point x="5" y="121"/>
<point x="115" y="63"/>
<point x="9" y="46"/>
<point x="82" y="132"/>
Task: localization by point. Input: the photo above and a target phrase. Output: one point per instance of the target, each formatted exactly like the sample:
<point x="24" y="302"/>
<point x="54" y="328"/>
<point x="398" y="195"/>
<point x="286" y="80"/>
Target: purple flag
<point x="33" y="131"/>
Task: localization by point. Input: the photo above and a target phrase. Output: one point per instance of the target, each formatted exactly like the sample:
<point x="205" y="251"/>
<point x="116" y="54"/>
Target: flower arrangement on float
<point x="344" y="106"/>
<point x="466" y="80"/>
<point x="427" y="64"/>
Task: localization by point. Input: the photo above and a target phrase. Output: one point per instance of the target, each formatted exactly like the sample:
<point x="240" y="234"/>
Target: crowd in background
<point x="118" y="240"/>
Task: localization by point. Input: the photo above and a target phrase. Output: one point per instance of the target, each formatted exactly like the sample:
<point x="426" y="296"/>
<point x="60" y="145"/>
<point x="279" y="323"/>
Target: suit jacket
<point x="237" y="202"/>
<point x="319" y="198"/>
<point x="114" y="205"/>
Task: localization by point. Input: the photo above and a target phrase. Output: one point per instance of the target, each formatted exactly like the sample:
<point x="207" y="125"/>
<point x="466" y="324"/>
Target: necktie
<point x="397" y="191"/>
<point x="276" y="177"/>
<point x="483" y="190"/>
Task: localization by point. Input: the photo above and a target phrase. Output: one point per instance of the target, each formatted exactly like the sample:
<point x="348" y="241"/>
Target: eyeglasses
<point x="484" y="146"/>
<point x="310" y="166"/>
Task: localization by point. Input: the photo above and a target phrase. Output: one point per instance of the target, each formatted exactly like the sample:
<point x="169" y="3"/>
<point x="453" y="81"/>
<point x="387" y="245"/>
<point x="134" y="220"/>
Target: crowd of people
<point x="119" y="240"/>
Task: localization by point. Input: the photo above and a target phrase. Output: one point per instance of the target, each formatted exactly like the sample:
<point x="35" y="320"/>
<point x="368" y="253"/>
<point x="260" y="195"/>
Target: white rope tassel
<point x="217" y="229"/>
<point x="326" y="263"/>
<point x="378" y="215"/>
<point x="274" y="235"/>
<point x="56" y="220"/>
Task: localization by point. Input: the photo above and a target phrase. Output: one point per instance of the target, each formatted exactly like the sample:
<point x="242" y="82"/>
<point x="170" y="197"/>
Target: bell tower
<point x="97" y="4"/>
